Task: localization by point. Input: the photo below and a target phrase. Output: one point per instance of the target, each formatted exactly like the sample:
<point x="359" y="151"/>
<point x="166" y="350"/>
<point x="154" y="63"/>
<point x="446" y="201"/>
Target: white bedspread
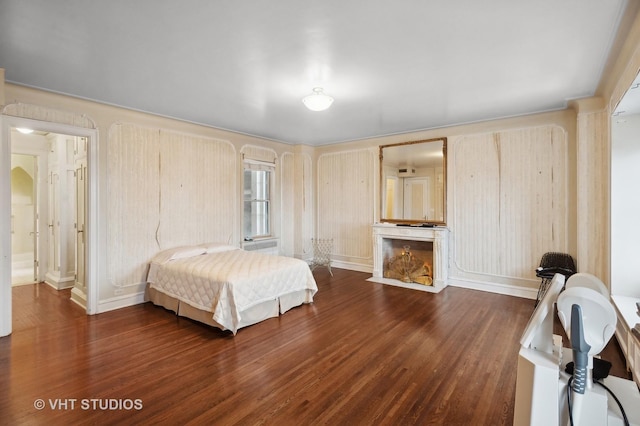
<point x="228" y="282"/>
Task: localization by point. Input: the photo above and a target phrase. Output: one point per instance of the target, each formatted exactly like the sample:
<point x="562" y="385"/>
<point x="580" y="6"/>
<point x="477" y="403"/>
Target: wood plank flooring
<point x="362" y="354"/>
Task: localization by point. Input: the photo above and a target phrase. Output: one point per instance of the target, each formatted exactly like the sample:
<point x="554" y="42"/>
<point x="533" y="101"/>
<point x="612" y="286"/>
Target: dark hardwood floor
<point x="363" y="353"/>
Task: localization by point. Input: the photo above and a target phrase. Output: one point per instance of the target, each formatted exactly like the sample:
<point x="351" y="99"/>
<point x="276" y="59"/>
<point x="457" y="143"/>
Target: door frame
<point x="92" y="226"/>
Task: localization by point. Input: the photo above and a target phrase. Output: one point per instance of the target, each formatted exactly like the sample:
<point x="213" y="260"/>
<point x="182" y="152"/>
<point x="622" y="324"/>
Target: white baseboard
<point x="413" y="286"/>
<point x="60" y="283"/>
<point x="507" y="289"/>
<point x="79" y="298"/>
<point x="491" y="287"/>
<point x="118" y="302"/>
<point x="351" y="266"/>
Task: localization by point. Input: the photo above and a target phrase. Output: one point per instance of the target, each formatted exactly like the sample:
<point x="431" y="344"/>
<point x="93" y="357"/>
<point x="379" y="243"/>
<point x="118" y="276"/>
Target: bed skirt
<point x="253" y="315"/>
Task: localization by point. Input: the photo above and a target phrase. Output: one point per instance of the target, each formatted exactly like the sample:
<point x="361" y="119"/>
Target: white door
<point x="36" y="221"/>
<point x="417" y="196"/>
<point x="41" y="252"/>
<point x="80" y="219"/>
<point x="54" y="222"/>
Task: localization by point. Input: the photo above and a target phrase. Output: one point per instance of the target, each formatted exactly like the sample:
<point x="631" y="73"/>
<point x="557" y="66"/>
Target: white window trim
<point x="257" y="165"/>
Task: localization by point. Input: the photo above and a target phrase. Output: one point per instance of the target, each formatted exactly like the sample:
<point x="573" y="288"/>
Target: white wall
<point x="625" y="206"/>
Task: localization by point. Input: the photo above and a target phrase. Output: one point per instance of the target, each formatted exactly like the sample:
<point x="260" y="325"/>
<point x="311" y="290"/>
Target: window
<point x="257" y="199"/>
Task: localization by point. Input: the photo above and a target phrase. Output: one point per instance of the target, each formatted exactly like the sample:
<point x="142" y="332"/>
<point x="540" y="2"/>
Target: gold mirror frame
<point x="387" y="149"/>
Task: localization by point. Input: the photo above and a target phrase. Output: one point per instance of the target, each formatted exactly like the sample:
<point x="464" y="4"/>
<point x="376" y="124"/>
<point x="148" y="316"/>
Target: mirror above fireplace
<point x="413" y="177"/>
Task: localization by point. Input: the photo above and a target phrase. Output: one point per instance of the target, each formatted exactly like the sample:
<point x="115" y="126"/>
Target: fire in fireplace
<point x="409" y="263"/>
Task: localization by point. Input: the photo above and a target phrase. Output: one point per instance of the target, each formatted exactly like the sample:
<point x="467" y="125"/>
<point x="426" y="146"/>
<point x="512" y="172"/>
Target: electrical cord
<point x="569" y="400"/>
<point x="615" y="398"/>
<point x="624" y="415"/>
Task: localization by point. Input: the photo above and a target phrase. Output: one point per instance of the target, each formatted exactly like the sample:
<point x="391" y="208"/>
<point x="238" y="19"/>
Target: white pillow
<point x="178" y="253"/>
<point x="217" y="247"/>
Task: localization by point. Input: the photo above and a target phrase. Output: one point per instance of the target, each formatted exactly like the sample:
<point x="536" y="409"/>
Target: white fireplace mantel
<point x="438" y="235"/>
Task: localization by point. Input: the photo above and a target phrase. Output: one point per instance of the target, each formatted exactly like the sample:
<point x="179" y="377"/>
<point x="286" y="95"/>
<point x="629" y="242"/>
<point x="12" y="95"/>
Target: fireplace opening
<point x="408" y="261"/>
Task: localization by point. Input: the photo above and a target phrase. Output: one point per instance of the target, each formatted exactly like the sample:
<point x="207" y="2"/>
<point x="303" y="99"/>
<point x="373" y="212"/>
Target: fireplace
<point x="410" y="256"/>
<point x="408" y="261"/>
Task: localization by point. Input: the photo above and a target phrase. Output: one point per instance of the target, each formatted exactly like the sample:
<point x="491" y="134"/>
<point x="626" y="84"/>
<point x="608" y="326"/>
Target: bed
<point x="227" y="287"/>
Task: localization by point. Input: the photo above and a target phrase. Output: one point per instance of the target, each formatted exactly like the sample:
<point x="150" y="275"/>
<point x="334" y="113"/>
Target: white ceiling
<point x="244" y="65"/>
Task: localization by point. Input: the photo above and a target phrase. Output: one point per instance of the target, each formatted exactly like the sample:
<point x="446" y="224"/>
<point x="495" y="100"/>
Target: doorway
<point x="24" y="214"/>
<point x="54" y="256"/>
<point x="48" y="186"/>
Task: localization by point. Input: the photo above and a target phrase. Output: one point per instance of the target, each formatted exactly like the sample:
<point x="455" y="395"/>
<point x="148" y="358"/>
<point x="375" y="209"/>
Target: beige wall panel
<point x="593" y="196"/>
<point x="166" y="189"/>
<point x="197" y="190"/>
<point x="287" y="204"/>
<point x="534" y="191"/>
<point x="475" y="200"/>
<point x="345" y="201"/>
<point x="304" y="205"/>
<point x="510" y="194"/>
<point x="133" y="202"/>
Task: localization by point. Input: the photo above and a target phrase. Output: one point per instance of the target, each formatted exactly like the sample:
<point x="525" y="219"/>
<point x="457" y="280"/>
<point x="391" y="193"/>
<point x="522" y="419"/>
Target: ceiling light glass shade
<point x="24" y="130"/>
<point x="318" y="101"/>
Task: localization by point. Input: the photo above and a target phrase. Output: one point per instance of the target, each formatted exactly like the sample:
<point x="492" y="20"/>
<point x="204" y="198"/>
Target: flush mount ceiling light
<point x="318" y="101"/>
<point x="24" y="130"/>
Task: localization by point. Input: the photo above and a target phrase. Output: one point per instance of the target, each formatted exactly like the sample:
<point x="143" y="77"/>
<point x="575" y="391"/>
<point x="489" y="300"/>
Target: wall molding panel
<point x="134" y="202"/>
<point x="509" y="197"/>
<point x="303" y="186"/>
<point x="593" y="175"/>
<point x="42" y="113"/>
<point x="166" y="189"/>
<point x="258" y="153"/>
<point x="287" y="203"/>
<point x="346" y="203"/>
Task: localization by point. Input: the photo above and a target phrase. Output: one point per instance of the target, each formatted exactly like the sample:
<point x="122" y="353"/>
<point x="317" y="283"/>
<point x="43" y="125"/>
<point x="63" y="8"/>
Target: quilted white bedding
<point x="227" y="281"/>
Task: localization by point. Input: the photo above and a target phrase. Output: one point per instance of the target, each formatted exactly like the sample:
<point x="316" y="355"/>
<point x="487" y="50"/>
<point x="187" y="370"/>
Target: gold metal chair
<point x="322" y="248"/>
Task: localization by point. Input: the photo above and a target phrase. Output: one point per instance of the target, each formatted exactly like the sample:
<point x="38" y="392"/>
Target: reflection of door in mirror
<point x="417" y="199"/>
